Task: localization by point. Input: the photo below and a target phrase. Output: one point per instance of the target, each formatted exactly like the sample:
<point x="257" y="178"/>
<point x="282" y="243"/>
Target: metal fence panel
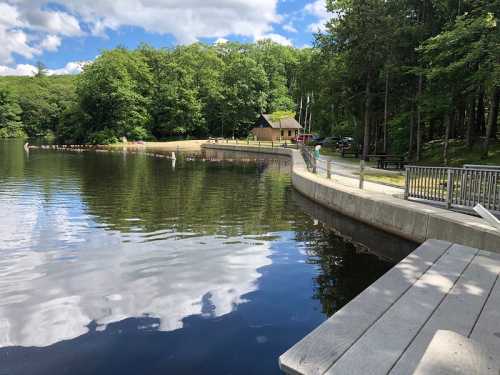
<point x="456" y="187"/>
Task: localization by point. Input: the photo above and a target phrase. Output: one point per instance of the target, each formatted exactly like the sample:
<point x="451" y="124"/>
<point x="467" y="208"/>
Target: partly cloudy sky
<point x="63" y="34"/>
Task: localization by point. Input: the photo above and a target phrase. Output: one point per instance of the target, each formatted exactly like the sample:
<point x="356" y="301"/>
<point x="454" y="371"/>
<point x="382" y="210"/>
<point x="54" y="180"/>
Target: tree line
<point x="402" y="73"/>
<point x="395" y="74"/>
<point x="149" y="93"/>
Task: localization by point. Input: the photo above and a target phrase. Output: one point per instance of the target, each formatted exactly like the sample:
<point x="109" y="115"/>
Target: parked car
<point x="316" y="139"/>
<point x="303" y="138"/>
<point x="345" y="142"/>
<point x="330" y="141"/>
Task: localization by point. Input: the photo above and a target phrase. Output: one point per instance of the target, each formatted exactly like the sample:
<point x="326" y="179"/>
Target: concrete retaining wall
<point x="414" y="221"/>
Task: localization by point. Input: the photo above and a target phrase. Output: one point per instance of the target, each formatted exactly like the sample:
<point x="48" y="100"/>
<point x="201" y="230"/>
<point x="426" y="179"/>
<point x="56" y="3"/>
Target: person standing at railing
<point x="317" y="150"/>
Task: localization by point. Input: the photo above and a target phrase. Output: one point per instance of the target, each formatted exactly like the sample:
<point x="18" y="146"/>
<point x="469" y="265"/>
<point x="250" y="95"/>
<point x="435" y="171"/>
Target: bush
<point x="12" y="132"/>
<point x="138" y="133"/>
<point x="103" y="137"/>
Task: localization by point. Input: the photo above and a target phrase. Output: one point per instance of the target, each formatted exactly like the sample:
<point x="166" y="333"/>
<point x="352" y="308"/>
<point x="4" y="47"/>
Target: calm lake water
<point x="120" y="263"/>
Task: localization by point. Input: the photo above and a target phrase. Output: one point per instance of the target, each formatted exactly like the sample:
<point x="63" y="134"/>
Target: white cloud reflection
<point x="52" y="293"/>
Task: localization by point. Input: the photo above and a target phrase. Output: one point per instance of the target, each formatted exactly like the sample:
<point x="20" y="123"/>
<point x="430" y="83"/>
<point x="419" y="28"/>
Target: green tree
<point x="114" y="94"/>
<point x="41" y="70"/>
<point x="245" y="90"/>
<point x="10" y="116"/>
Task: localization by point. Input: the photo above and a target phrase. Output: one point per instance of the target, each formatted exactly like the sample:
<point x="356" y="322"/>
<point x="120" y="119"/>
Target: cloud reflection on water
<point x="53" y="292"/>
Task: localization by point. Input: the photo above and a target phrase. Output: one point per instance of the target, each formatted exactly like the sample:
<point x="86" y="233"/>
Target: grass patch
<point x="459" y="154"/>
<point x="395" y="180"/>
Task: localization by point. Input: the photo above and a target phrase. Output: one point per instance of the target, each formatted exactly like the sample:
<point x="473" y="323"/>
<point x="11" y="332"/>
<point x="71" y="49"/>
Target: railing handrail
<point x="466" y="167"/>
<point x="457" y="187"/>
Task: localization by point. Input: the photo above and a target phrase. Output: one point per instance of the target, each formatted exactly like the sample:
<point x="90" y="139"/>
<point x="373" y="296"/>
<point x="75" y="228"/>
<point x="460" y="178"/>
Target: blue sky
<point x="64" y="34"/>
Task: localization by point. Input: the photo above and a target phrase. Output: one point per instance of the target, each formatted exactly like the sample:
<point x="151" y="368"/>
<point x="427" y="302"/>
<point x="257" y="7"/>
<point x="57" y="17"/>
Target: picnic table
<point x="384" y="161"/>
<point x="349" y="151"/>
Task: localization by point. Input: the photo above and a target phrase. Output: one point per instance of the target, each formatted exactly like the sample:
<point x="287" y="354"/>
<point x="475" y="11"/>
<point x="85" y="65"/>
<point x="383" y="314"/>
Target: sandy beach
<point x="193" y="145"/>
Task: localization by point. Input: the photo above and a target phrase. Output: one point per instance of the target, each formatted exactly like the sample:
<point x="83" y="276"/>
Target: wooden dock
<point x="389" y="326"/>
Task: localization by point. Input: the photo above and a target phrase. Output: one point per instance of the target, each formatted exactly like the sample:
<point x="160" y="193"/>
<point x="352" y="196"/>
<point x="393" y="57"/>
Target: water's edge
<point x="413" y="221"/>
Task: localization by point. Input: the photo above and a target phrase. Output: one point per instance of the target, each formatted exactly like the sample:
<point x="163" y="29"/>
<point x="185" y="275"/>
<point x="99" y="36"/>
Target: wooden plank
<point x="454" y="354"/>
<point x="487" y="329"/>
<point x="458" y="312"/>
<point x="317" y="351"/>
<point x="382" y="345"/>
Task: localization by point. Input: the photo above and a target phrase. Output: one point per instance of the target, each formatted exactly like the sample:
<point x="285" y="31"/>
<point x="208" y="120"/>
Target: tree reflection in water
<point x="120" y="263"/>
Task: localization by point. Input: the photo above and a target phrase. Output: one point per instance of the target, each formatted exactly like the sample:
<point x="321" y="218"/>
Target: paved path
<point x="347" y="173"/>
<point x="389" y="326"/>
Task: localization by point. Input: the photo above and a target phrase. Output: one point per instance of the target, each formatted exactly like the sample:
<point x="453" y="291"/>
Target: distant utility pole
<point x="307" y="109"/>
<point x="300" y="111"/>
<point x="310" y="113"/>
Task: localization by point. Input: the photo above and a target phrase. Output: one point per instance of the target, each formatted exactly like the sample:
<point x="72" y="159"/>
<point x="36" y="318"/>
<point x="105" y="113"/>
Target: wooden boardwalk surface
<point x="388" y="327"/>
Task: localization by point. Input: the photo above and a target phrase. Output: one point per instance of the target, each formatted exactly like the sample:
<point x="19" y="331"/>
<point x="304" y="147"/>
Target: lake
<point x="124" y="263"/>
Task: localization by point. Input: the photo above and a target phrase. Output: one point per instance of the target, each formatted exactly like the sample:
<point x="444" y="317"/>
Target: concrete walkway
<point x="348" y="175"/>
<point x="378" y="207"/>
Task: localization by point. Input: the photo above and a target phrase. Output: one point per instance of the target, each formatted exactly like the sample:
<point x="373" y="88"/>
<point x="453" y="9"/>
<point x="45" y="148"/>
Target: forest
<point x="397" y="75"/>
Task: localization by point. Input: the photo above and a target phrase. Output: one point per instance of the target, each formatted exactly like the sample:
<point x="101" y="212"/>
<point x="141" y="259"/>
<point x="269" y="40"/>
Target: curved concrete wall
<point x="414" y="221"/>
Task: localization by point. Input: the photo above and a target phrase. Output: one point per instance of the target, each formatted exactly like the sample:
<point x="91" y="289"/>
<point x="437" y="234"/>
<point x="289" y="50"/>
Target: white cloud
<point x="51" y="43"/>
<point x="50" y="21"/>
<point x="12" y="38"/>
<point x="185" y="20"/>
<point x="19" y="70"/>
<point x="277" y="38"/>
<point x="73" y="67"/>
<point x="29" y="27"/>
<point x="290" y="28"/>
<point x="221" y="41"/>
<point x="318" y="10"/>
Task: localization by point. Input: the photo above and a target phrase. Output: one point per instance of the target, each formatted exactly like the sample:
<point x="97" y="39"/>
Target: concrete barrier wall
<point x="414" y="221"/>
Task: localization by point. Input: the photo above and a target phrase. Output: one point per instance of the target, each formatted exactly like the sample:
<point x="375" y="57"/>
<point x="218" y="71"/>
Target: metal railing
<point x="454" y="187"/>
<point x="248" y="142"/>
<point x="324" y="168"/>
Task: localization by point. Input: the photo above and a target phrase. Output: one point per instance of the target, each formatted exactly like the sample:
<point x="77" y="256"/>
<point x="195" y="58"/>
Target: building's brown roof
<point x="285" y="123"/>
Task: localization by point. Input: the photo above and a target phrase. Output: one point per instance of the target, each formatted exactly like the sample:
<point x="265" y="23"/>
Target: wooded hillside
<point x="394" y="74"/>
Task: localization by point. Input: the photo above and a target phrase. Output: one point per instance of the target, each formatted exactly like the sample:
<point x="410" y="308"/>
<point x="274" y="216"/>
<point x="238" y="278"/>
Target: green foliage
<point x="43" y="100"/>
<point x="280" y="115"/>
<point x="10" y="116"/>
<point x="114" y="93"/>
<point x="438" y="60"/>
<point x="195" y="90"/>
<point x="409" y="71"/>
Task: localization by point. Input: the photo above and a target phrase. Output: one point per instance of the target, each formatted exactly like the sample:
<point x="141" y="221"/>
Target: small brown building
<point x="267" y="130"/>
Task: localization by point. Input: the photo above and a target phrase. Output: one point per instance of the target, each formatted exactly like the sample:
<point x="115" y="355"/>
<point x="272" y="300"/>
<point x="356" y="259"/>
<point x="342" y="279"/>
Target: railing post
<point x="329" y="169"/>
<point x="315" y="168"/>
<point x="449" y="189"/>
<point x="361" y="174"/>
<point x="407" y="183"/>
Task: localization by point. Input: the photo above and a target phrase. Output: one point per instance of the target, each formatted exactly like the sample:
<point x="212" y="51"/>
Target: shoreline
<point x="191" y="145"/>
<point x="407" y="219"/>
